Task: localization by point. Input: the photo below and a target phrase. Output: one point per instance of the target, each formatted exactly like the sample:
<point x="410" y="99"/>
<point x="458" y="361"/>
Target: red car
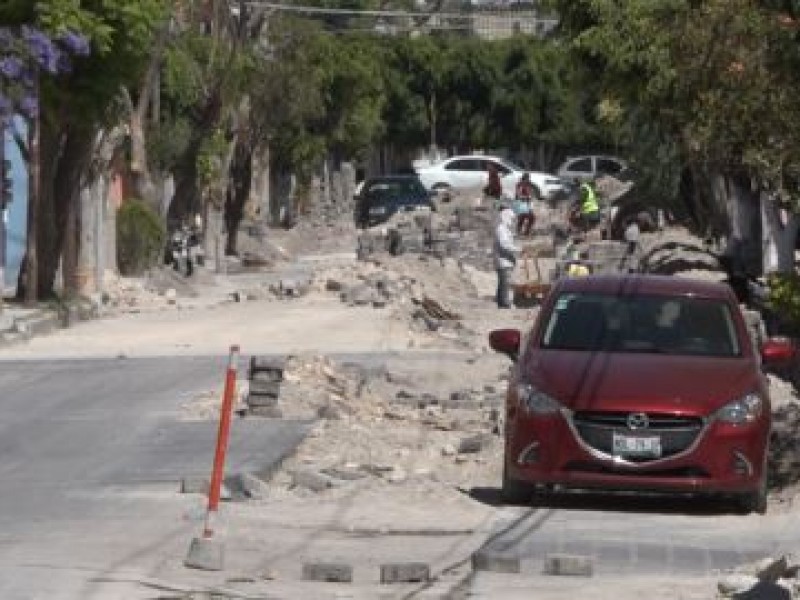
<point x="638" y="382"/>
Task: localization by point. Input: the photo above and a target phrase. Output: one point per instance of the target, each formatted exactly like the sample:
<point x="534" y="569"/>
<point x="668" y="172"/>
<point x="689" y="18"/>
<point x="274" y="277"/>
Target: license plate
<point x="626" y="445"/>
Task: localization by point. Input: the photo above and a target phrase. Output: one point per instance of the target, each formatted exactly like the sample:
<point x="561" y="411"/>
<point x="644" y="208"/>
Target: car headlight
<point x="535" y="401"/>
<point x="744" y="410"/>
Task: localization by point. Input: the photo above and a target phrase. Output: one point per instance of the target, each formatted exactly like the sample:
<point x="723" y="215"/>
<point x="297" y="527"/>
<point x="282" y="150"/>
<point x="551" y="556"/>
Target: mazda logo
<point x="638" y="421"/>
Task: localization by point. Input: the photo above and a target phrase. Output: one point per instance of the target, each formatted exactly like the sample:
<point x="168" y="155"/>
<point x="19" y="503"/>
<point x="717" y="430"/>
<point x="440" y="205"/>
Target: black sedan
<point x="382" y="197"/>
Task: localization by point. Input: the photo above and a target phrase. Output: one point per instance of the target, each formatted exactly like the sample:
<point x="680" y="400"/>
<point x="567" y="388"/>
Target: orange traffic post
<point x="205" y="552"/>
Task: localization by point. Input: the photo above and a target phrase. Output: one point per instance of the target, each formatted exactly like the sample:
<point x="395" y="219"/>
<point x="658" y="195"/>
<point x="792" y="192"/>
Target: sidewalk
<point x="19" y="323"/>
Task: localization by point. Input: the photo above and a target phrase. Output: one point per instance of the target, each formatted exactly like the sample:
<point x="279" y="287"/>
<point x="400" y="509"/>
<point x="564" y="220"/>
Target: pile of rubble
<point x="380" y="426"/>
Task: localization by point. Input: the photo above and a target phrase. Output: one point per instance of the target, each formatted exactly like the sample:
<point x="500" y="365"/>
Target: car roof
<point x="389" y="178"/>
<point x="647" y="284"/>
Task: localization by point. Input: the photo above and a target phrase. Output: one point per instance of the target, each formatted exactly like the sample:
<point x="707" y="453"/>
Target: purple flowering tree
<point x="29" y="52"/>
<point x="29" y="55"/>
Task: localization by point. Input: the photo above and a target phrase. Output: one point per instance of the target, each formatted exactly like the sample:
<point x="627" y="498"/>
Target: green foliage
<point x="719" y="77"/>
<point x="121" y="35"/>
<point x="784" y="297"/>
<point x="140" y="237"/>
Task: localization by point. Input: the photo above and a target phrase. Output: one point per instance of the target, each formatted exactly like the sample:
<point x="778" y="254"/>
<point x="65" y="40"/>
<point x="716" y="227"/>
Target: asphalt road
<point x="92" y="454"/>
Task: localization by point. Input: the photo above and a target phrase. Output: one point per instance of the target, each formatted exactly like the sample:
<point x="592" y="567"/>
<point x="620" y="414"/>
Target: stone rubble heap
<point x="386" y="427"/>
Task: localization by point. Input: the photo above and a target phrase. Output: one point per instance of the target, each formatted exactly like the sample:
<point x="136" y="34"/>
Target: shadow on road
<point x="631" y="502"/>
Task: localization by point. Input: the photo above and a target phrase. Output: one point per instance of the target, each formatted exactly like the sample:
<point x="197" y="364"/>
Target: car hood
<point x="633" y="382"/>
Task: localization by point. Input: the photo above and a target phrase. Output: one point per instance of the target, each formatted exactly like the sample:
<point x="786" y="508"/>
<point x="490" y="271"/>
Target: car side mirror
<point x="778" y="352"/>
<point x="506" y="341"/>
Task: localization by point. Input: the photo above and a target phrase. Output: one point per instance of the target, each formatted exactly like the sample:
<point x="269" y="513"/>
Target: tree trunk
<point x="66" y="185"/>
<point x="186" y="200"/>
<point x="744" y="243"/>
<point x="241" y="177"/>
<point x="779" y="234"/>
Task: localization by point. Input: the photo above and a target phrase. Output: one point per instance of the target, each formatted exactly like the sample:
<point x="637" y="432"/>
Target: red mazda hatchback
<point x="638" y="382"/>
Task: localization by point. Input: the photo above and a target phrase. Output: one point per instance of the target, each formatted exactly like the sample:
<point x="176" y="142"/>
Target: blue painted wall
<point x="18" y="210"/>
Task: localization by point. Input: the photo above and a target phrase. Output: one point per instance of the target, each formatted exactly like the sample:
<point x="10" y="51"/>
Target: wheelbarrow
<point x="530" y="292"/>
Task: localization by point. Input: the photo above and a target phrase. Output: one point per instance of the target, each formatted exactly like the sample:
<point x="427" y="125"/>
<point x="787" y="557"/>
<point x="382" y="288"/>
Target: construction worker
<point x="505" y="256"/>
<point x="587" y="212"/>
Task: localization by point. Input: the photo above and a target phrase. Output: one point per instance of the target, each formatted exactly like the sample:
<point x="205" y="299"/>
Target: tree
<point x="74" y="110"/>
<point x="720" y="77"/>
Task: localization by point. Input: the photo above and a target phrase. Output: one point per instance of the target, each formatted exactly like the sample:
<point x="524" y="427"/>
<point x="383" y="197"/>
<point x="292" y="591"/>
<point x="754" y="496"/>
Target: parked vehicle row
<point x="472" y="171"/>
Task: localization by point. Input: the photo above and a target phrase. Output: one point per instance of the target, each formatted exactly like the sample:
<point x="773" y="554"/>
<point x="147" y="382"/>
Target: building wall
<point x="17" y="213"/>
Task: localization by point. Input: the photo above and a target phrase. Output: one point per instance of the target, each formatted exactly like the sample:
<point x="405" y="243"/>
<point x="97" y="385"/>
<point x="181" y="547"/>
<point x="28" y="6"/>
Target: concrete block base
<point x="412" y="572"/>
<point x="207" y="554"/>
<point x="330" y="572"/>
<point x="497" y="562"/>
<point x="568" y="564"/>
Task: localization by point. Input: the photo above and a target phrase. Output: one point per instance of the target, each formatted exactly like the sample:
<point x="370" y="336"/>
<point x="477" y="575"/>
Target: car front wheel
<point x="755" y="501"/>
<point x="515" y="491"/>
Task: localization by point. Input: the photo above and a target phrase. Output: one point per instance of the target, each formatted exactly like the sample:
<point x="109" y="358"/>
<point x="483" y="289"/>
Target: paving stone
<point x="568" y="564"/>
<point x="267" y="363"/>
<point x="412" y="572"/>
<point x="330" y="572"/>
<point x="473" y="443"/>
<point x="261" y="400"/>
<point x="194" y="485"/>
<point x="269" y="412"/>
<point x="266" y="388"/>
<point x="329" y="412"/>
<point x="497" y="562"/>
<point x="332" y="285"/>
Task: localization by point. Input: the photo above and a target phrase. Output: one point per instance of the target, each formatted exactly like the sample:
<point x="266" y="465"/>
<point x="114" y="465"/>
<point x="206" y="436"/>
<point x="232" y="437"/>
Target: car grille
<point x="684" y="472"/>
<point x="677" y="433"/>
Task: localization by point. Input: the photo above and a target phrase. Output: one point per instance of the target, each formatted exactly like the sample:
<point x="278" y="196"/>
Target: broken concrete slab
<point x="313" y="480"/>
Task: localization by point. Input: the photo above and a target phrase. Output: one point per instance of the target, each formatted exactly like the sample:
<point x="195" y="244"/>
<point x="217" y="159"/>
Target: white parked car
<point x="472" y="171"/>
<point x="587" y="167"/>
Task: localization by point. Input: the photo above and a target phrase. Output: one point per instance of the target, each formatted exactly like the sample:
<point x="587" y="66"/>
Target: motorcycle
<point x="184" y="250"/>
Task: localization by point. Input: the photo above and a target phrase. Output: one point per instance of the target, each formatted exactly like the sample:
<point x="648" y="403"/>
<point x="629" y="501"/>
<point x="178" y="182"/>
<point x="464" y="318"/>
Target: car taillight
<point x="741" y="411"/>
<point x="535" y="401"/>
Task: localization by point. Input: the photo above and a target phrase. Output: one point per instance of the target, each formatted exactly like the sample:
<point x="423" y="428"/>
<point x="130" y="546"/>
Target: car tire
<point x="537" y="194"/>
<point x="396" y="245"/>
<point x="515" y="491"/>
<point x="755" y="501"/>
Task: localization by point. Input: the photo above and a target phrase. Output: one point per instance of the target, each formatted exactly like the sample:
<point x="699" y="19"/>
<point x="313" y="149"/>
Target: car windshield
<point x="512" y="166"/>
<point x="641" y="323"/>
<point x="396" y="188"/>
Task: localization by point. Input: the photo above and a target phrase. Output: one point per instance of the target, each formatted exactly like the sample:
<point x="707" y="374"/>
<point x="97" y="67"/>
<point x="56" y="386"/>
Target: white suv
<point x="584" y="168"/>
<point x="472" y="171"/>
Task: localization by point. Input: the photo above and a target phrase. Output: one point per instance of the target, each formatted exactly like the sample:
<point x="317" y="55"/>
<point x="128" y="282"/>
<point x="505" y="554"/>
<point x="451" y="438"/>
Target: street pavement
<point x="92" y="456"/>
